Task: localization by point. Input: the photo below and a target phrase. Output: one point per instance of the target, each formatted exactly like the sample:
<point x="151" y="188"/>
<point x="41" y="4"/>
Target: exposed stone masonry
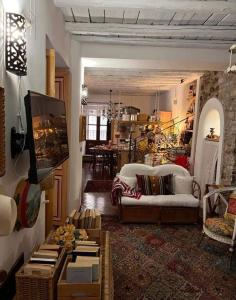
<point x="223" y="87"/>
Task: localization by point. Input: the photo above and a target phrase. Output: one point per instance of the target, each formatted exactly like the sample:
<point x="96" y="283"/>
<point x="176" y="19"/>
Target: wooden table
<point x="104" y="152"/>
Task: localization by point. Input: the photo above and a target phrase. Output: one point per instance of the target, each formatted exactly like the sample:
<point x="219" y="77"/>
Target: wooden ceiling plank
<point x="199" y="18"/>
<point x="155" y="17"/>
<point x="215" y="19"/>
<point x="97" y="15"/>
<point x="68" y="17"/>
<point x="182" y="18"/>
<point x="113" y="15"/>
<point x="81" y="14"/>
<point x="215" y="6"/>
<point x="130" y="15"/>
<point x="228" y="20"/>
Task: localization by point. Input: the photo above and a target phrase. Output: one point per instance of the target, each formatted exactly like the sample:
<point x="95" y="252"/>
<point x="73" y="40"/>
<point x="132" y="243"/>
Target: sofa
<point x="180" y="207"/>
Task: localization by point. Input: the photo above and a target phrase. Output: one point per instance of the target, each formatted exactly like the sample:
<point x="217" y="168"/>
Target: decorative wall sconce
<point x="15" y="44"/>
<point x="231" y="68"/>
<point x="84" y="95"/>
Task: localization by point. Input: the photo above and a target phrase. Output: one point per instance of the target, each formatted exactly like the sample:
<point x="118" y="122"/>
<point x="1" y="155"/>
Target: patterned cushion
<point x="155" y="185"/>
<point x="219" y="226"/>
<point x="230" y="213"/>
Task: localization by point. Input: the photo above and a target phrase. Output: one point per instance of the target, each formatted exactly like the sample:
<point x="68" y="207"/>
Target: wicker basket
<point x="35" y="287"/>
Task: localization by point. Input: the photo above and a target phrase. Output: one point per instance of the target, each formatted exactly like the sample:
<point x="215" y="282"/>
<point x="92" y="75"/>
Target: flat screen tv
<point x="46" y="134"/>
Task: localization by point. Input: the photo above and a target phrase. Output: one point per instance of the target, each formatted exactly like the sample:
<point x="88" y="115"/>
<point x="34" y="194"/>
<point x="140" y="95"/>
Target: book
<point x="79" y="272"/>
<point x="86" y="251"/>
<point x="51" y="247"/>
<point x="95" y="265"/>
<point x="71" y="215"/>
<point x="39" y="269"/>
<point x="76" y="219"/>
<point x="45" y="254"/>
<point x="86" y="219"/>
<point x="37" y="260"/>
<point x="86" y="243"/>
<point x="82" y="219"/>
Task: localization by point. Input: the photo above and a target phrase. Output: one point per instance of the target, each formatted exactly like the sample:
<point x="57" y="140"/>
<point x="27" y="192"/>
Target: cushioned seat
<point x="179" y="200"/>
<point x="219" y="226"/>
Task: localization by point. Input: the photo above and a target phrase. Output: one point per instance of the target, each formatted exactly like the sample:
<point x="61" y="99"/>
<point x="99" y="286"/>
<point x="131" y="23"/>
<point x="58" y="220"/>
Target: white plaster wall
<point x="75" y="146"/>
<point x="212" y="115"/>
<point x="146" y="103"/>
<point x="160" y="58"/>
<point x="46" y="21"/>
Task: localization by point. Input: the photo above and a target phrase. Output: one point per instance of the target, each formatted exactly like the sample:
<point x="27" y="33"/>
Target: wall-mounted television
<point x="47" y="138"/>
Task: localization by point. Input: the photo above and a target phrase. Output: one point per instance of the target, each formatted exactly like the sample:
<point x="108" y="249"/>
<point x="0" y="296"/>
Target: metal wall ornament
<point x="16" y="44"/>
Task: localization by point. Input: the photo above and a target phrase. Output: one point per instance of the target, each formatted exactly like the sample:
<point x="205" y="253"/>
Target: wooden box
<point x="78" y="291"/>
<point x="29" y="287"/>
<point x="142" y="117"/>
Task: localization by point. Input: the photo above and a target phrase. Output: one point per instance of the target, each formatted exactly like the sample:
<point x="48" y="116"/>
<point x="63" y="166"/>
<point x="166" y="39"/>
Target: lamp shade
<point x="15" y="51"/>
<point x="8" y="215"/>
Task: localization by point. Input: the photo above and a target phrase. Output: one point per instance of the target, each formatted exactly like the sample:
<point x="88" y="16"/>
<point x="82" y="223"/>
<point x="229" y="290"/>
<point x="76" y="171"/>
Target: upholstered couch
<point x="181" y="207"/>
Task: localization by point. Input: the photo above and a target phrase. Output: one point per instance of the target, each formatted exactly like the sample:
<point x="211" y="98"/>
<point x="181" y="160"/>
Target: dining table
<point x="106" y="152"/>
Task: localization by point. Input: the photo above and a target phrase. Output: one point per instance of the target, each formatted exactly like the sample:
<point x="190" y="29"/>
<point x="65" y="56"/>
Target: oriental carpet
<point x="152" y="262"/>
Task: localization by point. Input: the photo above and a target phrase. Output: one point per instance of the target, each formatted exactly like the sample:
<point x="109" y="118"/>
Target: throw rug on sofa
<point x="165" y="262"/>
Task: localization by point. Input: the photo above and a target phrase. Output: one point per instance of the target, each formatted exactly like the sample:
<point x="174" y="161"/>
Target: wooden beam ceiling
<point x="137" y="81"/>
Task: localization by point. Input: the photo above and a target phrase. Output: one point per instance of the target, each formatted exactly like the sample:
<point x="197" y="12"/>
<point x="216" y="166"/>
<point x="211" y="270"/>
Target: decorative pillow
<point x="183" y="184"/>
<point x="155" y="185"/>
<point x="219" y="226"/>
<point x="230" y="214"/>
<point x="130" y="181"/>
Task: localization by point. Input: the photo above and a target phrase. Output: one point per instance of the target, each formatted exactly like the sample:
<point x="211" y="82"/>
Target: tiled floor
<point x="99" y="201"/>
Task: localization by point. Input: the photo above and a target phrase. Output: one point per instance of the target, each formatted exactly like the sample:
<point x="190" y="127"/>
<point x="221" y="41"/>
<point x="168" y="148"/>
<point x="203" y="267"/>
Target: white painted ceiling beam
<point x="215" y="5"/>
<point x="156" y="42"/>
<point x="155" y="31"/>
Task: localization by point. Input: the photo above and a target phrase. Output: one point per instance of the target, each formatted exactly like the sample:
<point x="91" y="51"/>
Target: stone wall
<point x="223" y="87"/>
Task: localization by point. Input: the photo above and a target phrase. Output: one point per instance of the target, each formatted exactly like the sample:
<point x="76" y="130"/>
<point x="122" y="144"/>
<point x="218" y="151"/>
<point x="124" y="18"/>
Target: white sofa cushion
<point x="130" y="170"/>
<point x="181" y="200"/>
<point x="183" y="184"/>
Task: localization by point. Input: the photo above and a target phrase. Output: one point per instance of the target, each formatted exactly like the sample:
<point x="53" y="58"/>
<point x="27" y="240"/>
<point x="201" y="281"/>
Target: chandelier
<point x="111" y="112"/>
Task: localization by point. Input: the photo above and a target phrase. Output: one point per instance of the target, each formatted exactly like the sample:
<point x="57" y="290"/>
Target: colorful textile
<point x="152" y="262"/>
<point x="230" y="214"/>
<point x="155" y="185"/>
<point x="219" y="226"/>
<point x="119" y="186"/>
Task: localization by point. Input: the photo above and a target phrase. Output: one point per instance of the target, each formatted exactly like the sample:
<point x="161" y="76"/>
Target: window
<point x="97" y="128"/>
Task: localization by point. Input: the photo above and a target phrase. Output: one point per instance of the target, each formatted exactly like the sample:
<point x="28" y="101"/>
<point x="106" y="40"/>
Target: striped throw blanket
<point x="124" y="189"/>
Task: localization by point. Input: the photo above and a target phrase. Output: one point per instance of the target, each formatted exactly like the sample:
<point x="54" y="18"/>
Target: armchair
<point x="219" y="217"/>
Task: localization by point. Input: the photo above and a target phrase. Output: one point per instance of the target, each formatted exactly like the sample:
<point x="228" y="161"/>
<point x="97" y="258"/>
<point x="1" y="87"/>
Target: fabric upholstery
<point x="130" y="170"/>
<point x="230" y="214"/>
<point x="219" y="226"/>
<point x="131" y="181"/>
<point x="163" y="200"/>
<point x="183" y="184"/>
<point x="155" y="185"/>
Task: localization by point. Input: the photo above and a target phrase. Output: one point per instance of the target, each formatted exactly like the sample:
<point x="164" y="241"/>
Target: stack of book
<point x="42" y="261"/>
<point x="86" y="265"/>
<point x="88" y="219"/>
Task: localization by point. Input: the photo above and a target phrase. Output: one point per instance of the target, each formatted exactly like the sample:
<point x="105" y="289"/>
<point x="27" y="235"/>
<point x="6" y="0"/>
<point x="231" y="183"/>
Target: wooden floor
<point x="100" y="201"/>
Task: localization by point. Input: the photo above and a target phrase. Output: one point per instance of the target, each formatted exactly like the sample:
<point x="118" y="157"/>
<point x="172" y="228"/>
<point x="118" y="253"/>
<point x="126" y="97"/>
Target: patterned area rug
<point x="98" y="186"/>
<point x="152" y="262"/>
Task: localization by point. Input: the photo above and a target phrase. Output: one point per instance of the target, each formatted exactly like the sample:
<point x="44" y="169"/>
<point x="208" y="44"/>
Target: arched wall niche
<point x="212" y="116"/>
